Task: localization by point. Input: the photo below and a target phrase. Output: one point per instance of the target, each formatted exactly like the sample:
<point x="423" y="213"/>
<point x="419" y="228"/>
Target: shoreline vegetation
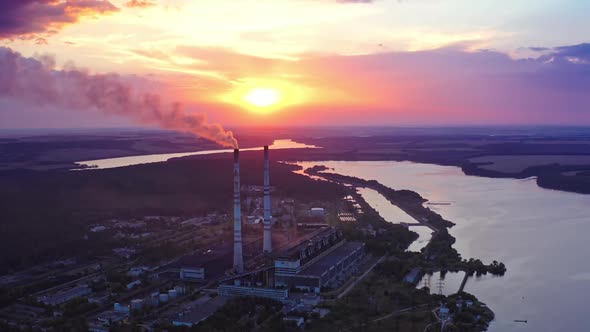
<point x="552" y="176"/>
<point x="439" y="249"/>
<point x="559" y="158"/>
<point x="437" y="255"/>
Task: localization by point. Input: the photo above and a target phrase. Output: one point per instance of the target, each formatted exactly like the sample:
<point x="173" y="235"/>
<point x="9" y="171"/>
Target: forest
<point x="46" y="214"/>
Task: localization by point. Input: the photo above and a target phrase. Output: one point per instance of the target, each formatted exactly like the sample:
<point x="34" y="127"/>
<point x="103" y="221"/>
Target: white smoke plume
<point x="36" y="80"/>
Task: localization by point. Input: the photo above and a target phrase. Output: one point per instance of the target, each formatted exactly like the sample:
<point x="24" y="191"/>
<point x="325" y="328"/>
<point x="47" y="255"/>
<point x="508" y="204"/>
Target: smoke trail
<point x="36" y="80"/>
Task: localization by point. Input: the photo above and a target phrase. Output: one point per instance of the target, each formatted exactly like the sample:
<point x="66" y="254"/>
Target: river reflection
<point x="388" y="211"/>
<point x="392" y="213"/>
<point x="154" y="158"/>
<point x="424" y="236"/>
<point x="541" y="236"/>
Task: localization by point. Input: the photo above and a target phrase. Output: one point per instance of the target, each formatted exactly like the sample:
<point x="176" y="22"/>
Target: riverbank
<point x="512" y="221"/>
<point x="439" y="250"/>
<point x="438" y="255"/>
<point x="408" y="201"/>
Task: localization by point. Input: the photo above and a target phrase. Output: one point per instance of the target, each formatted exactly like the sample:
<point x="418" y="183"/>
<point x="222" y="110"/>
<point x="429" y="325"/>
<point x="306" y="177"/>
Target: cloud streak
<point x="457" y="86"/>
<point x="140" y="4"/>
<point x="450" y="85"/>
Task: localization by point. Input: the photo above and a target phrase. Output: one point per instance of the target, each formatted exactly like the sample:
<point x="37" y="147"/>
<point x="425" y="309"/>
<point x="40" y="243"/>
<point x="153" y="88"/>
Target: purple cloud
<point x="140" y="3"/>
<point x="580" y="51"/>
<point x="26" y="18"/>
<point x="571" y="54"/>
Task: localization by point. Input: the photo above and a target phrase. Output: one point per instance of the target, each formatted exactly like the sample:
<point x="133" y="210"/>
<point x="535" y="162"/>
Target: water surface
<point x="541" y="236"/>
<point x="424" y="236"/>
<point x="388" y="211"/>
<point x="393" y="214"/>
<point x="155" y="158"/>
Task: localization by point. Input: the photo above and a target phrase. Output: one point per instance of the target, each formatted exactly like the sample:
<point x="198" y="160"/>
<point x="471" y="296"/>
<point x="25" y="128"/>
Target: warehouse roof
<point x="332" y="258"/>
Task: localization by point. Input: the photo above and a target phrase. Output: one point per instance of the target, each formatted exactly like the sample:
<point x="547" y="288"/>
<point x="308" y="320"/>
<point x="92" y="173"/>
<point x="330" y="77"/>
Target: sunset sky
<point x="299" y="62"/>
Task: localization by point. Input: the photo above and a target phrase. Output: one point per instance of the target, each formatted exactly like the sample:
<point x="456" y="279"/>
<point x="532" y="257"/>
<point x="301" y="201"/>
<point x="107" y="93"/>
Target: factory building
<point x="322" y="259"/>
<point x="330" y="270"/>
<point x="192" y="273"/>
<point x="277" y="294"/>
<point x="65" y="295"/>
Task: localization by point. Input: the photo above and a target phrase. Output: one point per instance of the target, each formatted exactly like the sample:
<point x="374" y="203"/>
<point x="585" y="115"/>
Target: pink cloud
<point x="443" y="86"/>
<point x="140" y="3"/>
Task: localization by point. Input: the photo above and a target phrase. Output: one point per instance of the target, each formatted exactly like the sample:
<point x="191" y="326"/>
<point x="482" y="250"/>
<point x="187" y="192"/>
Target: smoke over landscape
<point x="36" y="80"/>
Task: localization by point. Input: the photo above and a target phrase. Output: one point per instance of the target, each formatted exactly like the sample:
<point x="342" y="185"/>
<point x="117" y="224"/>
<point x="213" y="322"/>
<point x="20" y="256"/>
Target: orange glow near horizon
<point x="265" y="96"/>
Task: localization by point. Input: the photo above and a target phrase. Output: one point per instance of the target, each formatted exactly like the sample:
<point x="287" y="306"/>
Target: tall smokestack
<point x="267" y="244"/>
<point x="238" y="257"/>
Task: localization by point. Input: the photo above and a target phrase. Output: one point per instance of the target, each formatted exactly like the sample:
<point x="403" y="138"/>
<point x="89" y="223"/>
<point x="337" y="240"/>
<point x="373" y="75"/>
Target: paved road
<point x="395" y="313"/>
<point x="401" y="311"/>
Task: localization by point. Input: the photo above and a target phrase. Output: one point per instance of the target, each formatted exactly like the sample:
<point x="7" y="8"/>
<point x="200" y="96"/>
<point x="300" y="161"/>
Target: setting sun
<point x="263" y="97"/>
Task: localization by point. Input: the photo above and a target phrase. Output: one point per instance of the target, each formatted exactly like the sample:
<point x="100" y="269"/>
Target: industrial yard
<point x="298" y="246"/>
<point x="173" y="270"/>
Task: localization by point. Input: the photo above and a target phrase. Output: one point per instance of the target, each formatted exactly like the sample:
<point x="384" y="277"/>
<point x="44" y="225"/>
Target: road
<point x="395" y="313"/>
<point x="401" y="311"/>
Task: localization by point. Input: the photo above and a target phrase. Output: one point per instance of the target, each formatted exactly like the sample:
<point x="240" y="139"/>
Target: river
<point x="155" y="158"/>
<point x="541" y="236"/>
<point x="394" y="214"/>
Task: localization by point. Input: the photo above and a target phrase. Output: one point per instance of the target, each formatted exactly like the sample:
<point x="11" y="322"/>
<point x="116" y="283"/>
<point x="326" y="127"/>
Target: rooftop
<point x="293" y="251"/>
<point x="323" y="264"/>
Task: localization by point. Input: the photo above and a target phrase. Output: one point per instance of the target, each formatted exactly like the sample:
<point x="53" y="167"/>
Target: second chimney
<point x="238" y="256"/>
<point x="267" y="243"/>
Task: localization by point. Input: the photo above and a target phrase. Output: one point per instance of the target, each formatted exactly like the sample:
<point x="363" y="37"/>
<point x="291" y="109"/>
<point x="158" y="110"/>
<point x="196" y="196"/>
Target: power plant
<point x="238" y="255"/>
<point x="267" y="242"/>
<point x="316" y="260"/>
<point x="310" y="262"/>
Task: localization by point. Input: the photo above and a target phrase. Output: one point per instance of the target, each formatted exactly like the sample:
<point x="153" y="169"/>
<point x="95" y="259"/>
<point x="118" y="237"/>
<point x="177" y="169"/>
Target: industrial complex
<point x="317" y="260"/>
<point x="289" y="258"/>
<point x="321" y="259"/>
